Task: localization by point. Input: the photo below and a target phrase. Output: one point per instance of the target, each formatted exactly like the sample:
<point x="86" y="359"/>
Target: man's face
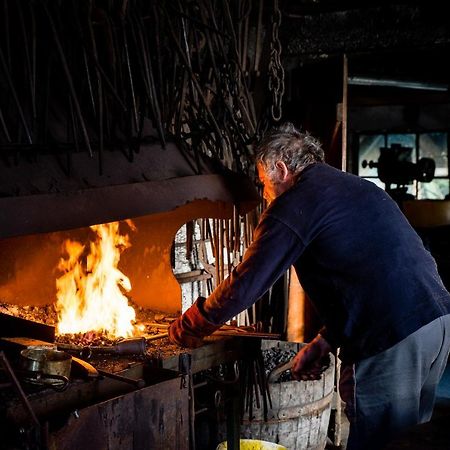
<point x="276" y="183"/>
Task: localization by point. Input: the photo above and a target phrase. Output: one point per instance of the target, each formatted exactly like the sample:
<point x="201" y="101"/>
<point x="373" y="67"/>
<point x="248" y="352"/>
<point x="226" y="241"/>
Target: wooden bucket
<point x="300" y="411"/>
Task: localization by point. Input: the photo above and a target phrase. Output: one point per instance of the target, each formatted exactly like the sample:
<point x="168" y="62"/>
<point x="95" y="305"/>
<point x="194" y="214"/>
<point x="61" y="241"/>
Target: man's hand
<point x="311" y="360"/>
<point x="190" y="328"/>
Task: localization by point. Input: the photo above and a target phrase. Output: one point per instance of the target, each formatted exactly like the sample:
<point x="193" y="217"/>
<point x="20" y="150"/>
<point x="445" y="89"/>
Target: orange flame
<point x="90" y="297"/>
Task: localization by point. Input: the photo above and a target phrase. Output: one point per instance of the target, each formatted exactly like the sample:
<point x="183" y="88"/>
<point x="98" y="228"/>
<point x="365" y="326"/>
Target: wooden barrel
<point x="300" y="411"/>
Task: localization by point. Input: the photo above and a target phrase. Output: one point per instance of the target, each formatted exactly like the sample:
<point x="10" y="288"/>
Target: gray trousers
<point x="396" y="389"/>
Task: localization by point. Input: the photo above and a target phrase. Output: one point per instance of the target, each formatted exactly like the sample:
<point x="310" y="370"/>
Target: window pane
<point x="369" y="150"/>
<point x="434" y="190"/>
<point x="405" y="140"/>
<point x="434" y="146"/>
<point x="376" y="181"/>
<point x="411" y="188"/>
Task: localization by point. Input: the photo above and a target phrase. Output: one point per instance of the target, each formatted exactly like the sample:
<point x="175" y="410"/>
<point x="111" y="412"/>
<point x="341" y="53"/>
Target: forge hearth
<point x="94" y="410"/>
<point x="157" y="380"/>
<point x="161" y="191"/>
<point x="102" y="413"/>
<point x="149" y="324"/>
<point x="108" y="413"/>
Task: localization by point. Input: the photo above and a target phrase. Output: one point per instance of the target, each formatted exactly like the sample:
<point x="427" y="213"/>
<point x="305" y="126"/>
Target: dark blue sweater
<point x="357" y="257"/>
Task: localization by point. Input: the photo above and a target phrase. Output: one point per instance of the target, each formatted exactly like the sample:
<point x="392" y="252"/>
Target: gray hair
<point x="285" y="143"/>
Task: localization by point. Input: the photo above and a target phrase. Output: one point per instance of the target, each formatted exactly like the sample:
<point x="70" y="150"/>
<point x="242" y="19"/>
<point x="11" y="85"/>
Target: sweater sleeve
<point x="274" y="248"/>
<point x="332" y="340"/>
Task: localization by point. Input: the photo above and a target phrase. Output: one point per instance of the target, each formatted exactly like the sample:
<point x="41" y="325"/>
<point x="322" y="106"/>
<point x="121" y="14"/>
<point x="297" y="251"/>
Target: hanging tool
<point x="69" y="79"/>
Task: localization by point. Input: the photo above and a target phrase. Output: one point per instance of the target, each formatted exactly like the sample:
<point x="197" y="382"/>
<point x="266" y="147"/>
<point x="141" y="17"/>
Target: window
<point x="432" y="145"/>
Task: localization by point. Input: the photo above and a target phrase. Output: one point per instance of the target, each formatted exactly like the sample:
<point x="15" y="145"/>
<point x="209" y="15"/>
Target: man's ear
<point x="282" y="170"/>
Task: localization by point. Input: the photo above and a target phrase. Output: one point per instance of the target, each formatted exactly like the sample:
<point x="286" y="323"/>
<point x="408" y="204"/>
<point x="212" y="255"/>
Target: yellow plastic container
<point x="253" y="444"/>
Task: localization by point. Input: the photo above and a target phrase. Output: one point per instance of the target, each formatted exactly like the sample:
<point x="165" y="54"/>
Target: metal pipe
<point x="18" y="387"/>
<point x="404" y="84"/>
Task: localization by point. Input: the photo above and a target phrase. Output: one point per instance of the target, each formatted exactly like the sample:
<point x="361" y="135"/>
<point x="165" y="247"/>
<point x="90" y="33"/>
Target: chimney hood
<point x="39" y="195"/>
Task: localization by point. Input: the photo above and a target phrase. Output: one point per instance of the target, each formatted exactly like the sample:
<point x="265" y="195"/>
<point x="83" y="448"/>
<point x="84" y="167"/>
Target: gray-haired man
<point x="368" y="274"/>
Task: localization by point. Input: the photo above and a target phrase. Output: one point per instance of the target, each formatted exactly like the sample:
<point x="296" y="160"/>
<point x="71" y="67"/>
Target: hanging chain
<point x="276" y="71"/>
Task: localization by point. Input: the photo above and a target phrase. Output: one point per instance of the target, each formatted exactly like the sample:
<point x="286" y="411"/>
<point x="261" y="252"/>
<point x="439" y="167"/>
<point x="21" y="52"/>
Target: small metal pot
<point x="47" y="366"/>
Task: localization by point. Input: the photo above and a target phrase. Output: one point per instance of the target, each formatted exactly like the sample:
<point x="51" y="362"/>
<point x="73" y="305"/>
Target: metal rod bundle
<point x="182" y="70"/>
<point x="254" y="386"/>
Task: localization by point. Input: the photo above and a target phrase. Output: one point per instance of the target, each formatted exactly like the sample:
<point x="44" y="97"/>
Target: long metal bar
<point x="28" y="64"/>
<point x="99" y="88"/>
<point x="157" y="336"/>
<point x="18" y="387"/>
<point x="130" y="76"/>
<point x="344" y="111"/>
<point x="69" y="78"/>
<point x="5" y="128"/>
<point x="196" y="85"/>
<point x="33" y="60"/>
<point x="233" y="419"/>
<point x="14" y="94"/>
<point x="247" y="334"/>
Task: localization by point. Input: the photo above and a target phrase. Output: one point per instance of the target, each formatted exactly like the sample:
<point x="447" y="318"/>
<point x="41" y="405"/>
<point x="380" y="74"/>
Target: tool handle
<point x="83" y="368"/>
<point x="278" y="370"/>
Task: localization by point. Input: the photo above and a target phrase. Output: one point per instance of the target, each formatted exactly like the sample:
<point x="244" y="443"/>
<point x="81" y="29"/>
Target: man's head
<point x="281" y="156"/>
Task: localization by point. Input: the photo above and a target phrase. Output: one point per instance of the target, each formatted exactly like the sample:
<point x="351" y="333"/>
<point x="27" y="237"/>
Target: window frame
<point x="385" y="135"/>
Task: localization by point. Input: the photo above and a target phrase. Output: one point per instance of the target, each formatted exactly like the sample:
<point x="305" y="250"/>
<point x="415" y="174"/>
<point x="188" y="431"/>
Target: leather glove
<point x="190" y="328"/>
<point x="311" y="360"/>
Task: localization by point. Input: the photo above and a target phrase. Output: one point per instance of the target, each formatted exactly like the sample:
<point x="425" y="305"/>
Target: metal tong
<point x="132" y="346"/>
<point x="88" y="371"/>
<point x="278" y="370"/>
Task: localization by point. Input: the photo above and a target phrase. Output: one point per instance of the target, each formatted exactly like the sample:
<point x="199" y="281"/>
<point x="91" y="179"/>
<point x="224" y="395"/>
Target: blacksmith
<point x="373" y="283"/>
